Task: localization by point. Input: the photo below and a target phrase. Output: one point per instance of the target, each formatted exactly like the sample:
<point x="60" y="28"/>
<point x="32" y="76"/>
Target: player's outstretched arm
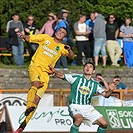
<point x="71" y="54"/>
<point x="58" y="74"/>
<point x="25" y="37"/>
<point x="108" y="93"/>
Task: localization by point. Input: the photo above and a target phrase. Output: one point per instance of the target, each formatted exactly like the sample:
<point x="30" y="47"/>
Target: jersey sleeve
<point x="37" y="38"/>
<point x="69" y="78"/>
<point x="65" y="52"/>
<point x="8" y="25"/>
<point x="122" y="29"/>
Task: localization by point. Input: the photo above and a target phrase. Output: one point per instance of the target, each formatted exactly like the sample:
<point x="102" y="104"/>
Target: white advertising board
<point x="14" y="99"/>
<point x="45" y="119"/>
<point x="20" y="100"/>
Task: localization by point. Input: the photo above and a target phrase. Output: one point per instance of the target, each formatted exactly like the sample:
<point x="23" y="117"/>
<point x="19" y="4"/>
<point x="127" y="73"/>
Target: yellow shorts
<point x="36" y="74"/>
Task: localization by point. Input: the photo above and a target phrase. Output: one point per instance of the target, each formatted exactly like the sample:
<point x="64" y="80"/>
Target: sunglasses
<point x="30" y="19"/>
<point x="50" y="16"/>
<point x="111" y="17"/>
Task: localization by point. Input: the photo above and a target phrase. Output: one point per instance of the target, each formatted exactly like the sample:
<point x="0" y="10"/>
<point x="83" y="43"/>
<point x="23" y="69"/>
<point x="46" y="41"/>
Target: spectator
<point x="99" y="78"/>
<point x="65" y="14"/>
<point x="30" y="29"/>
<point x="83" y="88"/>
<point x="120" y="85"/>
<point x="126" y="32"/>
<point x="48" y="52"/>
<point x="62" y="23"/>
<point x="90" y="23"/>
<point x="82" y="40"/>
<point x="114" y="49"/>
<point x="14" y="27"/>
<point x="48" y="27"/>
<point x="99" y="38"/>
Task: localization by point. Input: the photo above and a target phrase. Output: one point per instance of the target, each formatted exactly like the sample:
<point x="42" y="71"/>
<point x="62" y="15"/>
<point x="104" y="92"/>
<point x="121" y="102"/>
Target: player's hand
<point x="51" y="68"/>
<point x="112" y="86"/>
<point x="67" y="47"/>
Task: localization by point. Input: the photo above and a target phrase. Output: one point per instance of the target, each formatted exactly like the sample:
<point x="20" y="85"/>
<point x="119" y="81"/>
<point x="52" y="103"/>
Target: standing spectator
<point x="99" y="38"/>
<point x="14" y="27"/>
<point x="126" y="32"/>
<point x="83" y="88"/>
<point x="62" y="23"/>
<point x="30" y="29"/>
<point x="120" y="85"/>
<point x="99" y="78"/>
<point x="90" y="23"/>
<point x="48" y="27"/>
<point x="82" y="40"/>
<point x="65" y="14"/>
<point x="114" y="49"/>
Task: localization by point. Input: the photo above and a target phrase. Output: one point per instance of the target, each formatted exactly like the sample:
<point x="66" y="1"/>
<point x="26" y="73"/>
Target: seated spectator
<point x="113" y="47"/>
<point x="48" y="27"/>
<point x="120" y="85"/>
<point x="99" y="78"/>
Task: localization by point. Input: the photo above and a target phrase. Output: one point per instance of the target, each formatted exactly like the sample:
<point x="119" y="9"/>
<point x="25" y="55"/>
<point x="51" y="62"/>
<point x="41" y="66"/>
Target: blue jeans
<point x="62" y="60"/>
<point x="17" y="52"/>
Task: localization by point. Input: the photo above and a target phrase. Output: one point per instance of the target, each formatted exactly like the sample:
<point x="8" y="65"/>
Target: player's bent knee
<point x="37" y="84"/>
<point x="104" y="124"/>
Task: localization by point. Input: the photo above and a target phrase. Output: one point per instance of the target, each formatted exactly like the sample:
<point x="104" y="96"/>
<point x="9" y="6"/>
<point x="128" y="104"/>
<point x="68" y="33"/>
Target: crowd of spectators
<point x="94" y="36"/>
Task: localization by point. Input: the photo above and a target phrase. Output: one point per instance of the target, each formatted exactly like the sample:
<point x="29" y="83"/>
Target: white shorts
<point x="89" y="113"/>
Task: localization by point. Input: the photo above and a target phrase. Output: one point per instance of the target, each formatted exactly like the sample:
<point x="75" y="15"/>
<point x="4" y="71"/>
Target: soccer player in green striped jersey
<point x="83" y="88"/>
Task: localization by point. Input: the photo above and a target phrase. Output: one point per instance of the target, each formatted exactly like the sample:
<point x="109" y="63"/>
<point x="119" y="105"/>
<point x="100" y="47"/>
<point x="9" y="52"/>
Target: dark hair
<point x="112" y="15"/>
<point x="82" y="15"/>
<point x="98" y="74"/>
<point x="59" y="15"/>
<point x="96" y="11"/>
<point x="15" y="14"/>
<point x="64" y="29"/>
<point x="117" y="76"/>
<point x="90" y="63"/>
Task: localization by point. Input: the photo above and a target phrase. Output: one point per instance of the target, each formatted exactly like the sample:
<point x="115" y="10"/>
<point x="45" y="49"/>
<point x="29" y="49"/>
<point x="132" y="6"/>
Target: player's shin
<point x="74" y="129"/>
<point x="31" y="96"/>
<point x="27" y="119"/>
<point x="101" y="130"/>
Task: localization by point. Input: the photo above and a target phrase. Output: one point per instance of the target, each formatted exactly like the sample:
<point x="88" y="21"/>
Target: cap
<point x="51" y="14"/>
<point x="64" y="11"/>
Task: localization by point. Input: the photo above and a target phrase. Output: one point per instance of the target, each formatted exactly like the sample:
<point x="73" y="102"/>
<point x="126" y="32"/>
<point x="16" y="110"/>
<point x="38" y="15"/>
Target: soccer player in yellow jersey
<point x="49" y="51"/>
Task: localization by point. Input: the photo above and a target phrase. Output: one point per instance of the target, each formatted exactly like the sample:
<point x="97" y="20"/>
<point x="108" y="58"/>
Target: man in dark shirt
<point x="30" y="29"/>
<point x="113" y="47"/>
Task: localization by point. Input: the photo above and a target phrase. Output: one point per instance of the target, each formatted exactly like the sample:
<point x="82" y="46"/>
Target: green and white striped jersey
<point x="82" y="89"/>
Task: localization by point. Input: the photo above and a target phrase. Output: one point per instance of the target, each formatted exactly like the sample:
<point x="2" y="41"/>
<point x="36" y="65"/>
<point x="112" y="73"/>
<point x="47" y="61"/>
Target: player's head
<point x="89" y="62"/>
<point x="89" y="68"/>
<point x="61" y="33"/>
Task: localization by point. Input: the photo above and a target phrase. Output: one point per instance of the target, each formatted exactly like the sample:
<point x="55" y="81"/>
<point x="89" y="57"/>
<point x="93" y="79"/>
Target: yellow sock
<point x="27" y="119"/>
<point x="31" y="96"/>
<point x="31" y="114"/>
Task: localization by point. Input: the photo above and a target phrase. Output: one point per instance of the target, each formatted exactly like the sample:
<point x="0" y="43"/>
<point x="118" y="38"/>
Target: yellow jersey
<point x="48" y="51"/>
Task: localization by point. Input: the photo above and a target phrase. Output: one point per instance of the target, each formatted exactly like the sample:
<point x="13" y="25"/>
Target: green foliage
<point x="41" y="8"/>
